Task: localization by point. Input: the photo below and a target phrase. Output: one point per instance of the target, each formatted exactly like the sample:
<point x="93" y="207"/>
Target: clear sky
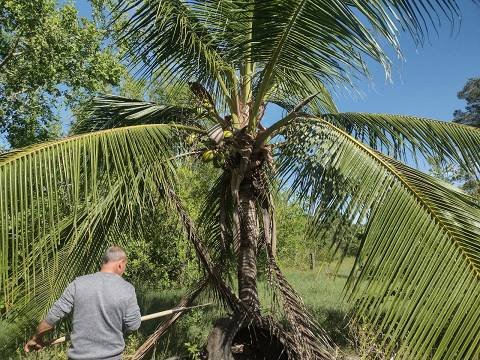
<point x="427" y="82"/>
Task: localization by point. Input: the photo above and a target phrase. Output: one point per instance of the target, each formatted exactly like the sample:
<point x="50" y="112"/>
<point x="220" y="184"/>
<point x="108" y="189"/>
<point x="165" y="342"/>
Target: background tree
<point x="471" y="116"/>
<point x="455" y="176"/>
<point x="63" y="201"/>
<point x="471" y="94"/>
<point x="51" y="60"/>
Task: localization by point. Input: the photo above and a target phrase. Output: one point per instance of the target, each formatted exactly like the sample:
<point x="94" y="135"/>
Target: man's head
<point x="114" y="260"/>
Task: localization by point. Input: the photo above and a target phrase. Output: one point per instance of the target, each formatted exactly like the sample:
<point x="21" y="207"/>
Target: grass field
<point x="320" y="289"/>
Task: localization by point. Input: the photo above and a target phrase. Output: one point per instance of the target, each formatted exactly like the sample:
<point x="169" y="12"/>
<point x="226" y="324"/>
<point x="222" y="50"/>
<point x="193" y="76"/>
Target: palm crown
<point x="417" y="273"/>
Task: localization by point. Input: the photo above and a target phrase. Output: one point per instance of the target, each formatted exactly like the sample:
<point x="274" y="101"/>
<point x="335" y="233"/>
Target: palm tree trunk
<point x="247" y="253"/>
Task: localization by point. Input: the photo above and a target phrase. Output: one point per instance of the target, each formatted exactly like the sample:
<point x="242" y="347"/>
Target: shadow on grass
<point x="334" y="322"/>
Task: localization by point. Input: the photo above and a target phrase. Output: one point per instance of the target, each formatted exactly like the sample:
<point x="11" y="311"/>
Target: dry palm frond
<point x="213" y="270"/>
<point x="186" y="301"/>
<point x="309" y="341"/>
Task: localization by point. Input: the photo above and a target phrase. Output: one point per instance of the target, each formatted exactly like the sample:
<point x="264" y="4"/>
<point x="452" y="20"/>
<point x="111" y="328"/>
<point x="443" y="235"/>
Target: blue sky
<point x="426" y="83"/>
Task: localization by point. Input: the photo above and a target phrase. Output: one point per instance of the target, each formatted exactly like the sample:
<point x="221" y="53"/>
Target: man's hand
<point x="34" y="343"/>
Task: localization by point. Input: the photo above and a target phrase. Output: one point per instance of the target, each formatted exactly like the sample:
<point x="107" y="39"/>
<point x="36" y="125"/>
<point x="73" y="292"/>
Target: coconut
<point x="190" y="140"/>
<point x="208" y="155"/>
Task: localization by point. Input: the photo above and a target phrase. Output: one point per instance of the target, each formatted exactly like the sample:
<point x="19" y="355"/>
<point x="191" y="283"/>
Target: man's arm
<point x="62" y="307"/>
<point x="132" y="320"/>
<point x="36" y="342"/>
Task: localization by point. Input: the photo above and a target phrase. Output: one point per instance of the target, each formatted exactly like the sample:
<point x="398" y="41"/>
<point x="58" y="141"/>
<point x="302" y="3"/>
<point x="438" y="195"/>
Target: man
<point x="104" y="306"/>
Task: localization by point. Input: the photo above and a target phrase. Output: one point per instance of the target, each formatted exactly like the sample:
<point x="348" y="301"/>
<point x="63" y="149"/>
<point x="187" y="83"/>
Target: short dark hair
<point x="114" y="253"/>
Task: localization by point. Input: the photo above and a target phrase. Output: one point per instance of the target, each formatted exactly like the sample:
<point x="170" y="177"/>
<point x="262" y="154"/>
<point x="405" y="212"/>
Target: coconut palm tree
<point x="416" y="277"/>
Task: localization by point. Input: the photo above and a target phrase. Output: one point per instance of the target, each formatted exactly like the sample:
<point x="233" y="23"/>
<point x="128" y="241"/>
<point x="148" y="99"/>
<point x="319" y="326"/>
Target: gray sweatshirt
<point x="104" y="306"/>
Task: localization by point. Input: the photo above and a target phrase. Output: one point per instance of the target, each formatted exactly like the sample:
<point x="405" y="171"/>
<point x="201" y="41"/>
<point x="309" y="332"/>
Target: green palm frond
<point x="438" y="274"/>
<point x="179" y="36"/>
<point x="418" y="270"/>
<point x="215" y="218"/>
<point x="328" y="39"/>
<point x="58" y="198"/>
<point x="404" y="136"/>
<point x="111" y="111"/>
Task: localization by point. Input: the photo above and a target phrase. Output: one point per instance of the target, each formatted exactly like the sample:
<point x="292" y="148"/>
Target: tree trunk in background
<point x="247" y="253"/>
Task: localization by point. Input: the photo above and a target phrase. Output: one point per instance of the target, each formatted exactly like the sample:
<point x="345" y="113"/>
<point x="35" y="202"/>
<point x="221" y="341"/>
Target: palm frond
<point x="403" y="137"/>
<point x="213" y="270"/>
<point x="310" y="341"/>
<point x="177" y="37"/>
<point x="215" y="219"/>
<point x="418" y="269"/>
<point x="111" y="111"/>
<point x="426" y="285"/>
<point x="57" y="197"/>
<point x="84" y="239"/>
<point x="328" y="39"/>
<point x="289" y="95"/>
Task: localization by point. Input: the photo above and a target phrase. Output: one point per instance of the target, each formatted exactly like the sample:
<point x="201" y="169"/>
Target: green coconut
<point x="208" y="155"/>
<point x="190" y="140"/>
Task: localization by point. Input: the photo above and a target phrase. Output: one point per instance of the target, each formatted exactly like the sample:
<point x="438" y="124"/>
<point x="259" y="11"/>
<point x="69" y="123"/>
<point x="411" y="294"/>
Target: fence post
<point x="311" y="261"/>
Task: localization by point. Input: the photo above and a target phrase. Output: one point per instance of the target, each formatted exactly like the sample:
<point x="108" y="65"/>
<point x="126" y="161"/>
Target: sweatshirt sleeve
<point x="132" y="319"/>
<point x="62" y="306"/>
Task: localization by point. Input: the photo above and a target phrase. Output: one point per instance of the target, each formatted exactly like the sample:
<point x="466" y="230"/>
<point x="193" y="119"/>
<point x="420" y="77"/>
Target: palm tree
<point x="416" y="279"/>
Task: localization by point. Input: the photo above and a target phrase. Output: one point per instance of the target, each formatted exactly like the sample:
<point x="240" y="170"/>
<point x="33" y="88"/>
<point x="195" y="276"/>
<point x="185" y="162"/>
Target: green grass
<point x="322" y="293"/>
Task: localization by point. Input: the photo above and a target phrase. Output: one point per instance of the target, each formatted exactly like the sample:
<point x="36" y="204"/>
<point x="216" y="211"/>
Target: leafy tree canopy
<point x="50" y="60"/>
<point x="471" y="94"/>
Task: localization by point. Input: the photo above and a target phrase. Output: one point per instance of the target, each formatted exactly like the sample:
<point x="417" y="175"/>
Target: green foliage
<point x="50" y="61"/>
<point x="471" y="94"/>
<point x="193" y="350"/>
<point x="162" y="257"/>
<point x="156" y="259"/>
<point x="292" y="221"/>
